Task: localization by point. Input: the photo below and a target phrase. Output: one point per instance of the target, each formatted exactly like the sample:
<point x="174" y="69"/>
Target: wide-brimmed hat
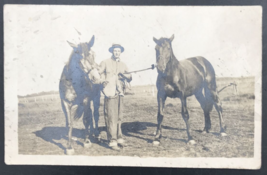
<point x="115" y="46"/>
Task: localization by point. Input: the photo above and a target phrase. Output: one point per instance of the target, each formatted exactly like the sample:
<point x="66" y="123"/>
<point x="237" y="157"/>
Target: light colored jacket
<point x="109" y="70"/>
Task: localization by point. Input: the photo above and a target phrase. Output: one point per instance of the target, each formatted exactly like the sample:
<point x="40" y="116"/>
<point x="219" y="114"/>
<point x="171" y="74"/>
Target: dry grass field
<point x="42" y="126"/>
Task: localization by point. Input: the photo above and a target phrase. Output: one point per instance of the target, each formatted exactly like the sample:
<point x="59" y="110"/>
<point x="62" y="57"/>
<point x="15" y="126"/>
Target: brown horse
<point x="181" y="79"/>
<point x="78" y="89"/>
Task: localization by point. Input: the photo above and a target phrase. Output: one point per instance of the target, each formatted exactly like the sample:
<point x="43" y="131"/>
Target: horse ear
<point x="91" y="42"/>
<point x="171" y="38"/>
<point x="72" y="45"/>
<point x="156" y="41"/>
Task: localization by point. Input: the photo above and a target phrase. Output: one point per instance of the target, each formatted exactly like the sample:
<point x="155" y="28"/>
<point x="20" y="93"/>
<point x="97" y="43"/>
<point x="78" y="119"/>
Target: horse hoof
<point x="156" y="143"/>
<point x="87" y="145"/>
<point x="70" y="151"/>
<point x="223" y="134"/>
<point x="204" y="132"/>
<point x="191" y="142"/>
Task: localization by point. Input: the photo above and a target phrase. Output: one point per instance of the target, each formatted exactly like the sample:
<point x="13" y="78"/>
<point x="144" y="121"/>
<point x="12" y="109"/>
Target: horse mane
<point x="70" y="57"/>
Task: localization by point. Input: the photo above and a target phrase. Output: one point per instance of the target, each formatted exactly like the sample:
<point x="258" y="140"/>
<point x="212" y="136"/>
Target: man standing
<point x="113" y="71"/>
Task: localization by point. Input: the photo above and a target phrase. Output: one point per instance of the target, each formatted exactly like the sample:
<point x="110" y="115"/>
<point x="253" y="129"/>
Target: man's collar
<point x="114" y="59"/>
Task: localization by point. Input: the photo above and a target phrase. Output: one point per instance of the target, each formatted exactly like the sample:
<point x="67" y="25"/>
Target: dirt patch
<point x="42" y="129"/>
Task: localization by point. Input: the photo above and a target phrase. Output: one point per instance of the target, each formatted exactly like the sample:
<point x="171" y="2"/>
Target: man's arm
<point x="125" y="75"/>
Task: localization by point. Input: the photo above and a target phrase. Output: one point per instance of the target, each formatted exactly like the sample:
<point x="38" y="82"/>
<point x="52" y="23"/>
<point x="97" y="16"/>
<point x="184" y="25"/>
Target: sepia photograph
<point x="152" y="86"/>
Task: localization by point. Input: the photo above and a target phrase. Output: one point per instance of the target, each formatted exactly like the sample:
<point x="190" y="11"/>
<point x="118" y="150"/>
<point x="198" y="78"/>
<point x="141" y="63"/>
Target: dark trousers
<point x="113" y="113"/>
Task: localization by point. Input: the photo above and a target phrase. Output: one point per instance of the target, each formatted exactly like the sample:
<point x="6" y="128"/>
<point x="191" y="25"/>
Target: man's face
<point x="116" y="52"/>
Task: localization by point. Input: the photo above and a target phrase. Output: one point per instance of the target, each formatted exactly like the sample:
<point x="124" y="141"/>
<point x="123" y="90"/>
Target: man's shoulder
<point x="122" y="63"/>
<point x="106" y="60"/>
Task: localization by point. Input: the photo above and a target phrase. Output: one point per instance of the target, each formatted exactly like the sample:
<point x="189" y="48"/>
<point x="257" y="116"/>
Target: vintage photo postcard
<point x="149" y="86"/>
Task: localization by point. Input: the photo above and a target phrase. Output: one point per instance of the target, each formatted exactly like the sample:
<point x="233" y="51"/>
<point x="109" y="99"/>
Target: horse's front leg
<point x="96" y="103"/>
<point x="87" y="121"/>
<point x="185" y="115"/>
<point x="161" y="98"/>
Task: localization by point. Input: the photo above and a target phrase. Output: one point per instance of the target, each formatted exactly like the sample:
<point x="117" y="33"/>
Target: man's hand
<point x="104" y="83"/>
<point x="121" y="76"/>
<point x="128" y="77"/>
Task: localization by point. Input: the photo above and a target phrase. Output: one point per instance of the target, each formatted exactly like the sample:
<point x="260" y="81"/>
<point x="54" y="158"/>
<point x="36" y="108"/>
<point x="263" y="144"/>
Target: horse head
<point x="164" y="52"/>
<point x="83" y="50"/>
<point x="85" y="57"/>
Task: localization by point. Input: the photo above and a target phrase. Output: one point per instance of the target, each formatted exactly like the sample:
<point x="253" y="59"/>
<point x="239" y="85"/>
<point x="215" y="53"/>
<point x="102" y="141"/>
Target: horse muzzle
<point x="161" y="69"/>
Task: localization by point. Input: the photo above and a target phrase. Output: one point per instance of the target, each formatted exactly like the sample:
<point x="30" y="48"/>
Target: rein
<point x="152" y="67"/>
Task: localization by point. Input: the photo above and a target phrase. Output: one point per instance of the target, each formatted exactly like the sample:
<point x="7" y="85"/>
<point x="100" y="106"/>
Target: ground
<point x="42" y="127"/>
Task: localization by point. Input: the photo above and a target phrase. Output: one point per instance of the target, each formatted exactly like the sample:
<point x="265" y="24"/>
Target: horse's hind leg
<point x="65" y="110"/>
<point x="87" y="121"/>
<point x="69" y="120"/>
<point x="206" y="105"/>
<point x="185" y="115"/>
<point x="210" y="93"/>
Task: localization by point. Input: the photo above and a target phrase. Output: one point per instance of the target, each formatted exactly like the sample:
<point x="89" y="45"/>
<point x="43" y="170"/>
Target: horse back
<point x="199" y="65"/>
<point x="209" y="73"/>
<point x="197" y="72"/>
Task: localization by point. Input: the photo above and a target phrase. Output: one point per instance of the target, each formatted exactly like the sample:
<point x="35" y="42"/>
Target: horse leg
<point x="206" y="105"/>
<point x="217" y="103"/>
<point x="185" y="115"/>
<point x="87" y="121"/>
<point x="69" y="118"/>
<point x="65" y="108"/>
<point x="161" y="98"/>
<point x="96" y="103"/>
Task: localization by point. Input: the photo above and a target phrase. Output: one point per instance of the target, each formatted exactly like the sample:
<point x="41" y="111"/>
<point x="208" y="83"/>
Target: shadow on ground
<point x="129" y="129"/>
<point x="50" y="134"/>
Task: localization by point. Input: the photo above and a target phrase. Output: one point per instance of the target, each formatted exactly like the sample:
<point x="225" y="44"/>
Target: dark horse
<point x="181" y="79"/>
<point x="77" y="90"/>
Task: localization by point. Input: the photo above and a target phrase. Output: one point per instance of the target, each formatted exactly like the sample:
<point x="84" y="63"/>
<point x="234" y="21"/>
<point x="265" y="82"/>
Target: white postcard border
<point x="11" y="130"/>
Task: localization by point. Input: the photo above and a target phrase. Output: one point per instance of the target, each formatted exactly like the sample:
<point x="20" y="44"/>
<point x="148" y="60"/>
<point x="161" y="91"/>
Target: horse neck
<point x="73" y="66"/>
<point x="70" y="62"/>
<point x="172" y="63"/>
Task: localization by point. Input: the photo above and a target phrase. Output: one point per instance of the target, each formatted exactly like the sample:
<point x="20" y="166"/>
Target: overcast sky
<point x="229" y="37"/>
